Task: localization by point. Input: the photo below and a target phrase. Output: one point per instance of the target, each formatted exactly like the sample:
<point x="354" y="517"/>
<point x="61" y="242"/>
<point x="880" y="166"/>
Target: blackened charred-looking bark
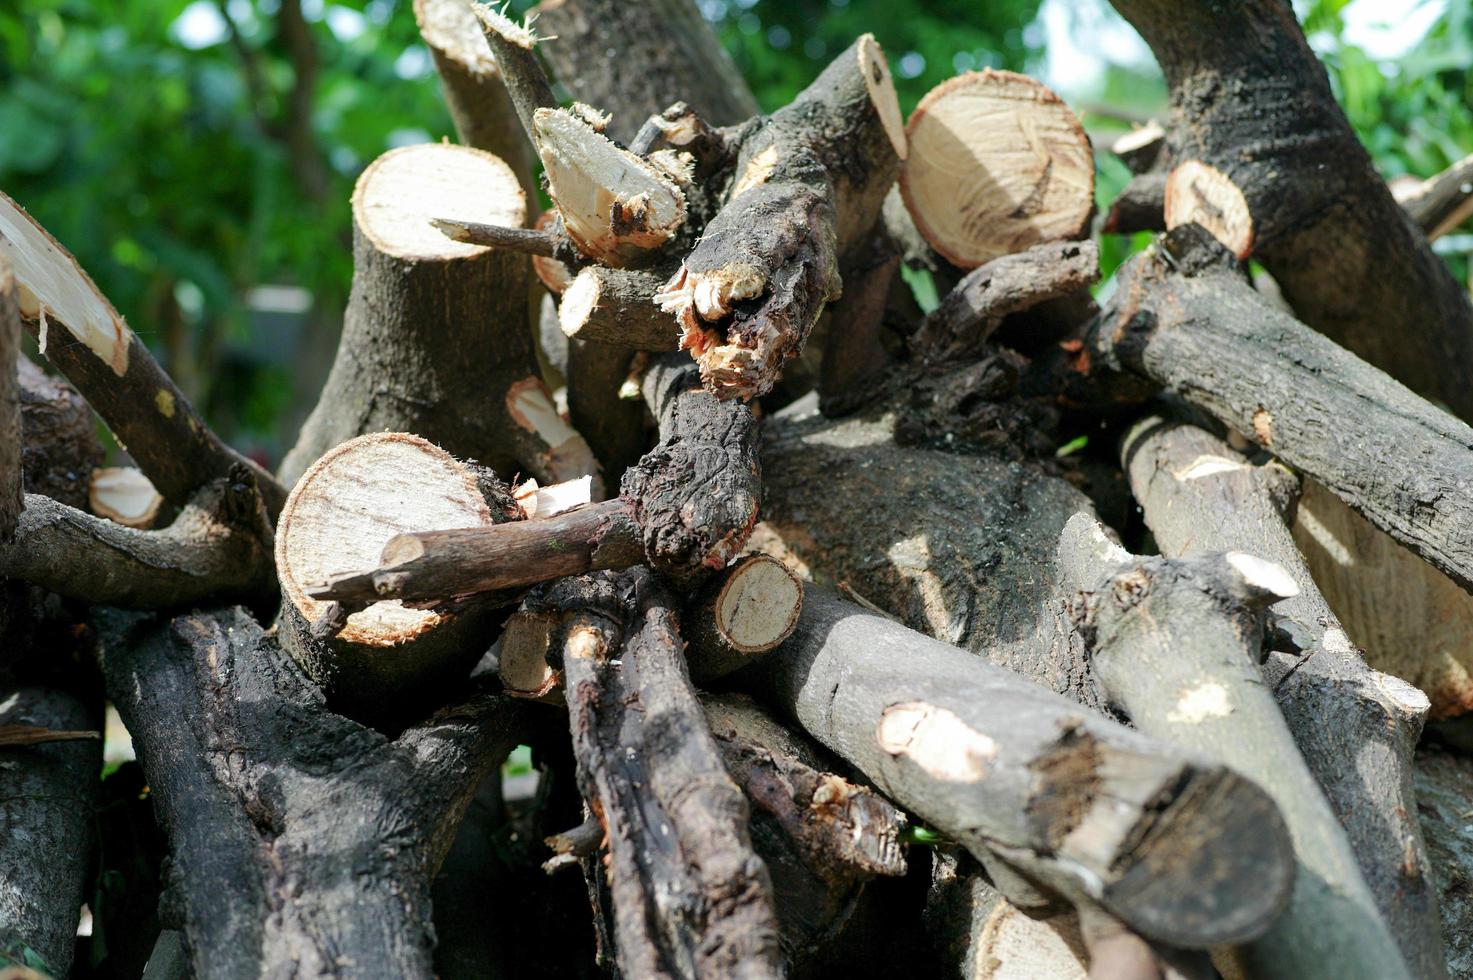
<point x="59" y="437"/>
<point x="666" y="51"/>
<point x="695" y="495"/>
<point x="1356" y="728"/>
<point x="1140" y="206"/>
<point x="614" y="426"/>
<point x="1184" y="318"/>
<point x="958" y="547"/>
<point x="1249" y="99"/>
<point x="691" y="897"/>
<point x="12" y="483"/>
<point x="1176" y="643"/>
<point x="47" y="814"/>
<point x="1089" y="808"/>
<point x="821" y="837"/>
<point x="324" y="833"/>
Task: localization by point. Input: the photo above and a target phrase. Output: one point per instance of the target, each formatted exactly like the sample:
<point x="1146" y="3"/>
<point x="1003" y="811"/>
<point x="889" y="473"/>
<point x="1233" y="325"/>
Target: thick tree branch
<point x="12" y="476"/>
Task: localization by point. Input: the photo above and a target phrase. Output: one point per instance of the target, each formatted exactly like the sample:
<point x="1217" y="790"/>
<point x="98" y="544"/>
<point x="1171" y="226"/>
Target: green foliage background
<point x="182" y="177"/>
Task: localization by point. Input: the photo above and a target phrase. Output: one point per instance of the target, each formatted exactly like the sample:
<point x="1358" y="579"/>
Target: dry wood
<point x="1355" y="727"/>
<point x="856" y="358"/>
<point x="513" y="46"/>
<point x="1442" y="202"/>
<point x="616" y="307"/>
<point x="1444" y="781"/>
<point x="1183" y="318"/>
<point x="1141" y="148"/>
<point x="751" y="608"/>
<point x="997" y="164"/>
<point x="523" y="662"/>
<point x="324" y="834"/>
<point x="1008" y="769"/>
<point x="434" y="338"/>
<point x="667" y="51"/>
<point x="59" y="445"/>
<point x="12" y="475"/>
<point x="691" y="898"/>
<point x="1140" y="206"/>
<point x="479" y="105"/>
<point x="533" y="241"/>
<point x="47" y="806"/>
<point x="821" y="837"/>
<point x="218" y="546"/>
<point x="614" y="424"/>
<point x="124" y="495"/>
<point x="553" y="273"/>
<point x="809" y="182"/>
<point x="1176" y="644"/>
<point x="383" y="658"/>
<point x="79" y="331"/>
<point x="1324" y="224"/>
<point x="1009" y="284"/>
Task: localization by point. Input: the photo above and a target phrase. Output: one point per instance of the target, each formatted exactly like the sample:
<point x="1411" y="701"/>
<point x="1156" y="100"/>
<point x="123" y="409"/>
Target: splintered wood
<point x="997" y="163"/>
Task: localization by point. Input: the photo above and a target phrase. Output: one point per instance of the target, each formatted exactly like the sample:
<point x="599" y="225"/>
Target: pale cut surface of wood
<point x="590" y="177"/>
<point x="1016" y="946"/>
<point x="759" y="605"/>
<point x="452" y="27"/>
<point x="526" y="640"/>
<point x="347" y="507"/>
<point x="53" y="287"/>
<point x="1196" y="192"/>
<point x="124" y="495"/>
<point x="997" y="163"/>
<point x="402" y="190"/>
<point x="1411" y="620"/>
<point x="875" y="71"/>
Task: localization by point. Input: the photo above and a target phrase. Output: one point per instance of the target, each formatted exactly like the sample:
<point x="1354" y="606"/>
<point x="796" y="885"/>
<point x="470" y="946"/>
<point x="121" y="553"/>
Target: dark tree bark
<point x="12" y="481"/>
<point x="1184" y="318"/>
<point x="1249" y="99"/>
<point x="47" y="814"/>
<point x="1444" y="782"/>
<point x="1015" y="772"/>
<point x="691" y="897"/>
<point x="1140" y="206"/>
<point x="616" y="308"/>
<point x="324" y="834"/>
<point x="1356" y="728"/>
<point x="420" y="304"/>
<point x="80" y="332"/>
<point x="59" y="437"/>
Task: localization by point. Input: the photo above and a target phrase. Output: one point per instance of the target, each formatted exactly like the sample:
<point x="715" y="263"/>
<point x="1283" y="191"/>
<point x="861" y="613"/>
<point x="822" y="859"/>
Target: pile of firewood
<point x="858" y="672"/>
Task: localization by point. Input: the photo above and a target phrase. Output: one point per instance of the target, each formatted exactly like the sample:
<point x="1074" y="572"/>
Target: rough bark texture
<point x="666" y="53"/>
<point x="59" y="437"/>
<point x="1184" y="318"/>
<point x="616" y="307"/>
<point x="1008" y="769"/>
<point x="1355" y="727"/>
<point x="746" y="611"/>
<point x="1249" y="99"/>
<point x="482" y="111"/>
<point x="1440" y="204"/>
<point x="1444" y="782"/>
<point x="1176" y="644"/>
<point x="691" y="898"/>
<point x="435" y="339"/>
<point x="1140" y="206"/>
<point x="614" y="425"/>
<point x="46" y="822"/>
<point x="12" y="482"/>
<point x="324" y="834"/>
<point x="821" y="837"/>
<point x="218" y="546"/>
<point x="970" y="313"/>
<point x="958" y="547"/>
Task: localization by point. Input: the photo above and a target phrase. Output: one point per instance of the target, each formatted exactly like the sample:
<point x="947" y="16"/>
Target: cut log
<point x="809" y="183"/>
<point x="686" y="510"/>
<point x="421" y="306"/>
<point x="691" y="898"/>
<point x="751" y="608"/>
<point x="112" y="368"/>
<point x="821" y="837"/>
<point x="123" y="494"/>
<point x="616" y="307"/>
<point x="1091" y="809"/>
<point x="1176" y="644"/>
<point x="48" y="808"/>
<point x="1009" y="284"/>
<point x="482" y="111"/>
<point x="1355" y="727"/>
<point x="1184" y="318"/>
<point x="264" y="793"/>
<point x="59" y="436"/>
<point x="555" y="274"/>
<point x="1324" y="224"/>
<point x="1141" y="148"/>
<point x="1442" y="202"/>
<point x="385" y="659"/>
<point x="666" y="51"/>
<point x="218" y="546"/>
<point x="12" y="473"/>
<point x="1140" y="206"/>
<point x="523" y="659"/>
<point x="997" y="164"/>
